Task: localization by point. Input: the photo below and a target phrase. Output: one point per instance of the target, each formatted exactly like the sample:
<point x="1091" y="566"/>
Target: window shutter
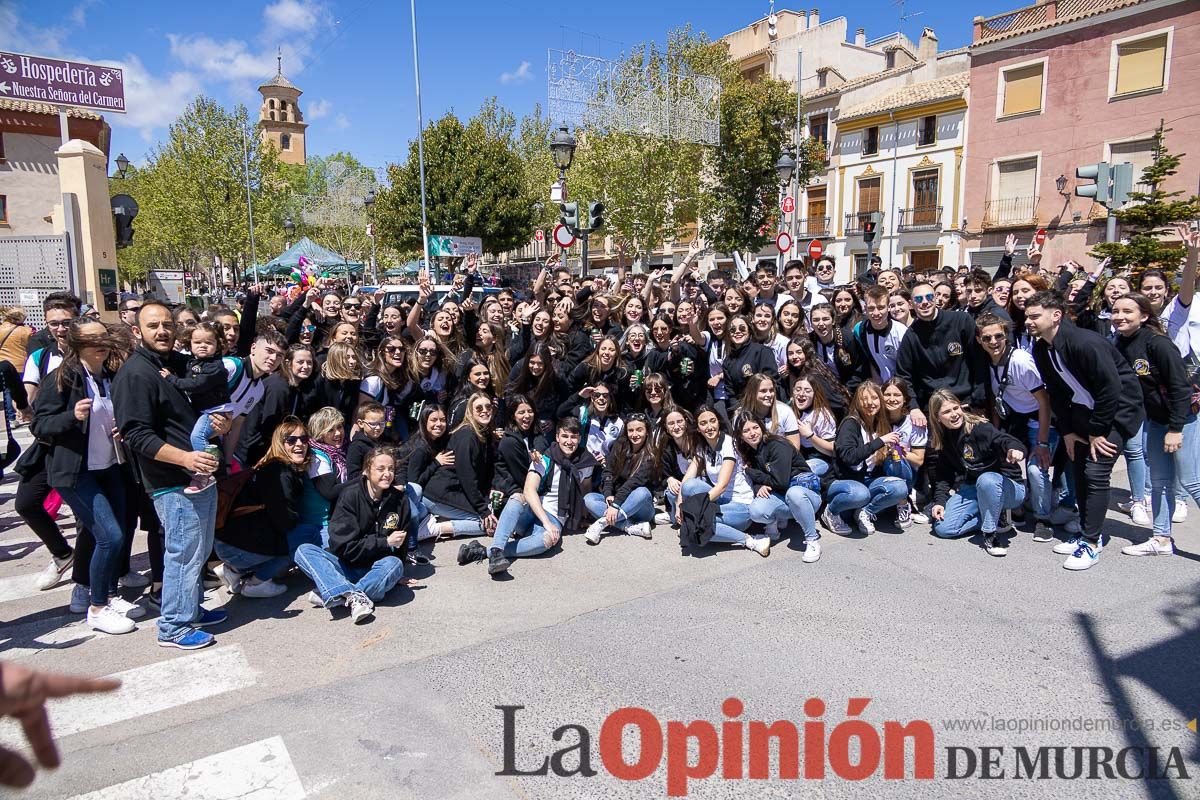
<point x="1140" y="65"/>
<point x="1023" y="90"/>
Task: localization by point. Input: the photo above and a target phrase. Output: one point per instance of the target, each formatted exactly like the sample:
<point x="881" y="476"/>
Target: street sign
<point x="788" y="205"/>
<point x="815" y="249"/>
<point x="1039" y="238"/>
<point x="563" y="236"/>
<point x="455" y="246"/>
<point x="539" y="235"/>
<point x="62" y="83"/>
<point x="783" y="241"/>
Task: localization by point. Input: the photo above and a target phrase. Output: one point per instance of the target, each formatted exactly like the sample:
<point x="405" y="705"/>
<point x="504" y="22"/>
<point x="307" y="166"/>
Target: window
<point x="1" y="145"/>
<point x="1023" y="89"/>
<point x="285" y="142"/>
<point x="272" y="116"/>
<point x="816" y="212"/>
<point x="818" y="128"/>
<point x="283" y="110"/>
<point x="1141" y="65"/>
<point x="927" y="130"/>
<point x="868" y="195"/>
<point x="823" y="79"/>
<point x="891" y="59"/>
<point x="1139" y="153"/>
<point x="925" y="260"/>
<point x="3" y="209"/>
<point x="1015" y="196"/>
<point x="871" y="141"/>
<point x="925" y="197"/>
<point x="271" y="103"/>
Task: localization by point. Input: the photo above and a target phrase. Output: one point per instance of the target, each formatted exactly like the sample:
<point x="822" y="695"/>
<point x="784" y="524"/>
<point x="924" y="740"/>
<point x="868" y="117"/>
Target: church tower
<point x="280" y="119"/>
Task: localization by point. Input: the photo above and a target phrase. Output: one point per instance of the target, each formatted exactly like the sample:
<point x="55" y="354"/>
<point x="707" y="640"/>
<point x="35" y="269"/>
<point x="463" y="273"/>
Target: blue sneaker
<point x="1085" y="556"/>
<point x="210" y="617"/>
<point x="192" y="640"/>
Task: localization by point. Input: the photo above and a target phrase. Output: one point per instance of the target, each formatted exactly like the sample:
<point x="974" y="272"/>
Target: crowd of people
<point x="316" y="431"/>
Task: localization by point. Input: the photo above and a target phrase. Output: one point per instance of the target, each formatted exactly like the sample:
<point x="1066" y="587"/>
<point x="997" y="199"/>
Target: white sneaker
<point x="1140" y="514"/>
<point x="812" y="552"/>
<point x="1084" y="557"/>
<point x="595" y="531"/>
<point x="759" y="544"/>
<point x="919" y="517"/>
<point x="109" y="620"/>
<point x="52" y="575"/>
<point x="361" y="607"/>
<point x="314" y="599"/>
<point x="126" y="608"/>
<point x="641" y="530"/>
<point x="1180" y="514"/>
<point x="1150" y="547"/>
<point x="835" y="523"/>
<point x="1068" y="547"/>
<point x="663" y="518"/>
<point x="771" y="531"/>
<point x="133" y="580"/>
<point x="866" y="521"/>
<point x="230" y="577"/>
<point x="81" y="599"/>
<point x="261" y="589"/>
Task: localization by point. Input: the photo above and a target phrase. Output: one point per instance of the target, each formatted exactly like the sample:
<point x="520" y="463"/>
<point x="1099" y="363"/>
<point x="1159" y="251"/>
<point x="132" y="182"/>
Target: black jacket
<point x="1156" y="362"/>
<point x="279" y="400"/>
<point x="776" y="462"/>
<point x="356" y="452"/>
<point x="964" y="457"/>
<point x="468" y="483"/>
<point x="422" y="462"/>
<point x="54" y="423"/>
<point x="937" y="354"/>
<point x="850" y="362"/>
<point x="634" y="473"/>
<point x="740" y="364"/>
<point x="1102" y="371"/>
<point x="204" y="381"/>
<point x="152" y="413"/>
<point x="359" y="526"/>
<point x="849" y="450"/>
<point x="276" y="487"/>
<point x="512" y="461"/>
<point x="688" y="390"/>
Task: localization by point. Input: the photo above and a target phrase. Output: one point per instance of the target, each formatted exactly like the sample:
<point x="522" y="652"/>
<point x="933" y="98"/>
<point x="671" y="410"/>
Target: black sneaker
<point x="154" y="599"/>
<point x="1004" y="524"/>
<point x="497" y="562"/>
<point x="471" y="552"/>
<point x="413" y="558"/>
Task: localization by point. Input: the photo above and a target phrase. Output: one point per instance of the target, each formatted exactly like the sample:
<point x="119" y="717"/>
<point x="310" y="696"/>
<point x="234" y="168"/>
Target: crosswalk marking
<point x="149" y="689"/>
<point x="73" y="632"/>
<point x="259" y="771"/>
<point x="18" y="587"/>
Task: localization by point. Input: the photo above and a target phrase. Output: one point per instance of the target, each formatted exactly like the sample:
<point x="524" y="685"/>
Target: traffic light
<point x="1101" y="174"/>
<point x="595" y="216"/>
<point x="870" y="227"/>
<point x="124" y="209"/>
<point x="569" y="216"/>
<point x="1122" y="183"/>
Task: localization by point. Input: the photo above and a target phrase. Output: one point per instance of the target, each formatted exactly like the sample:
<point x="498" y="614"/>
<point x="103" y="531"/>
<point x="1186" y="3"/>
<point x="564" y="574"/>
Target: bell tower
<point x="280" y="119"/>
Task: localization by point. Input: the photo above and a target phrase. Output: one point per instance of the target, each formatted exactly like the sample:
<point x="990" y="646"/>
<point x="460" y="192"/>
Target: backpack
<point x="228" y="489"/>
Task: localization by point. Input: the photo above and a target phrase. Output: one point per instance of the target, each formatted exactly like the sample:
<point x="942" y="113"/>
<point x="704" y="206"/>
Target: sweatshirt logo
<point x="954" y="349"/>
<point x="1141" y="366"/>
<point x="968" y="452"/>
<point x="844" y="357"/>
<point x="391" y="522"/>
<point x="747" y="370"/>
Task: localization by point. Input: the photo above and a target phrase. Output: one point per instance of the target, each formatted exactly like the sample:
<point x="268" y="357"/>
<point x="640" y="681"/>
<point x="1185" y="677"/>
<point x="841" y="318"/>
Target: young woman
<point x="593" y="407"/>
<point x="1098" y="316"/>
<point x="944" y="296"/>
<point x="815" y="423"/>
<point x="367" y="534"/>
<point x="602" y="366"/>
<point x="761" y="399"/>
<point x="784" y="488"/>
<point x="863" y="441"/>
<point x="1024" y="286"/>
<point x="713" y="337"/>
<point x="764" y="330"/>
<point x="848" y="308"/>
<point x="717" y="471"/>
<point x="387" y="383"/>
<point x="74" y="417"/>
<point x="1172" y="435"/>
<point x="338" y="385"/>
<point x="790" y="321"/>
<point x="477" y="380"/>
<point x="676" y="449"/>
<point x="900" y="307"/>
<point x="656" y="400"/>
<point x="461" y="495"/>
<point x="428" y="379"/>
<point x="326" y="470"/>
<point x="263" y="531"/>
<point x="1001" y="291"/>
<point x="908" y="455"/>
<point x="836" y="349"/>
<point x="744" y="357"/>
<point x="804" y="363"/>
<point x="490" y="349"/>
<point x="624" y="501"/>
<point x="736" y="301"/>
<point x="678" y="360"/>
<point x="521" y="441"/>
<point x="537" y="378"/>
<point x="634" y="350"/>
<point x="980" y="464"/>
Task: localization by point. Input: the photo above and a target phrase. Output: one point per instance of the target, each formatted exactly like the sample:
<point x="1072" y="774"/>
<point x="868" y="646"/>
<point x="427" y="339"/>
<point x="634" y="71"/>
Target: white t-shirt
<point x="1183" y="325"/>
<point x="883" y="346"/>
<point x="779" y="345"/>
<point x="742" y="491"/>
<point x="101" y="452"/>
<point x="33" y="365"/>
<point x="912" y="437"/>
<point x="246" y="393"/>
<point x="601" y="436"/>
<point x="716" y="355"/>
<point x="823" y="424"/>
<point x="1021" y="379"/>
<point x="788" y="424"/>
<point x="550" y="498"/>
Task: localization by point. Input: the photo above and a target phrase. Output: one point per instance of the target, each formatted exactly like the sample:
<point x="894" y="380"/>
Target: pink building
<point x="1067" y="83"/>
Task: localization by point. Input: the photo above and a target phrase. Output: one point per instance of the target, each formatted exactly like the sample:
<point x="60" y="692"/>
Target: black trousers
<point x="1092" y="483"/>
<point x="31" y="494"/>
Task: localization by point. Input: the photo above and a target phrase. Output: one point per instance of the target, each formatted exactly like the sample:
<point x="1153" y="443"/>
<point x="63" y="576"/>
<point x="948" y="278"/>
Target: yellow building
<point x="280" y="118"/>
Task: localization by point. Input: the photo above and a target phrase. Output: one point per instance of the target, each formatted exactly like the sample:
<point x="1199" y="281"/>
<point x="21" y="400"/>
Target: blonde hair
<point x="337" y="363"/>
<point x="288" y="426"/>
<point x="14" y="315"/>
<point x="324" y="421"/>
<point x="937" y="431"/>
<point x="469" y="420"/>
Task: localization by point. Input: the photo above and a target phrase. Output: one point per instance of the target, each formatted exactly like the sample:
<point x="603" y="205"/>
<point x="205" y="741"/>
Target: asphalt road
<point x="295" y="703"/>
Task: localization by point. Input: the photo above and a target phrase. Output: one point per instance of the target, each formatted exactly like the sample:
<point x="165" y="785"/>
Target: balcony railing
<point x="1010" y="212"/>
<point x="854" y="222"/>
<point x="813" y="228"/>
<point x="1020" y="19"/>
<point x="921" y="218"/>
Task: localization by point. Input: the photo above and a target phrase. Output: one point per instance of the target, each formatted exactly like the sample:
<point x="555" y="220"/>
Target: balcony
<point x="813" y="228"/>
<point x="1039" y="14"/>
<point x="1010" y="212"/>
<point x="854" y="222"/>
<point x="921" y="218"/>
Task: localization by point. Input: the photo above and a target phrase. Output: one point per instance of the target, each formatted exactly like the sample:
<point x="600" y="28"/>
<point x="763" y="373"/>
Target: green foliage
<point x="532" y="144"/>
<point x="475" y="185"/>
<point x="1150" y="216"/>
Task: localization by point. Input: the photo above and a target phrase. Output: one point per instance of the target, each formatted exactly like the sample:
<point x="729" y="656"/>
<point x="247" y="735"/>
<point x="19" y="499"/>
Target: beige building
<point x="280" y="118"/>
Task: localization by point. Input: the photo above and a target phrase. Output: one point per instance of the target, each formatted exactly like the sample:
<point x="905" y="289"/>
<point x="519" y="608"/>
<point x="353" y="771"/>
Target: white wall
<point x="29" y="179"/>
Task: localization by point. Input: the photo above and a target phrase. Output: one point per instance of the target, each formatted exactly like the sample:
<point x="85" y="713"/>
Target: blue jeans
<point x="335" y="577"/>
<point x="265" y="567"/>
<point x="465" y="523"/>
<point x="98" y="501"/>
<point x="518" y="520"/>
<point x="818" y="466"/>
<point x="799" y="504"/>
<point x="900" y="469"/>
<point x="1135" y="460"/>
<point x="187" y="521"/>
<point x="202" y="431"/>
<point x="1182" y="466"/>
<point x="880" y="494"/>
<point x="638" y="507"/>
<point x="978" y="505"/>
<point x="1041" y="489"/>
<point x="732" y="518"/>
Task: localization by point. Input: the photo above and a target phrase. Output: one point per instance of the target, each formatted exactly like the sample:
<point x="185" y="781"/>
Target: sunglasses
<point x="425" y="351"/>
<point x="601" y="395"/>
<point x="393" y="350"/>
<point x="924" y="298"/>
<point x="739" y="329"/>
<point x="654" y="390"/>
<point x="372" y="425"/>
<point x="994" y="337"/>
<point x="135" y="309"/>
<point x="351" y="305"/>
<point x="294" y="440"/>
<point x="59" y="323"/>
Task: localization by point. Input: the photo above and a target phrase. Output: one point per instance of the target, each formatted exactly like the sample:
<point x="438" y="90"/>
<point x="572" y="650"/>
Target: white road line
<point x="18" y="587"/>
<point x="259" y="771"/>
<point x="73" y="633"/>
<point x="147" y="690"/>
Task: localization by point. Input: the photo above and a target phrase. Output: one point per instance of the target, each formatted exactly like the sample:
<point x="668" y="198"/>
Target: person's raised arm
<point x="1187" y="280"/>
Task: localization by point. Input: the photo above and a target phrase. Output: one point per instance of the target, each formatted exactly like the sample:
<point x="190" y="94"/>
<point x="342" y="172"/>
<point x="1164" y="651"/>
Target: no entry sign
<point x="1039" y="238"/>
<point x="815" y="249"/>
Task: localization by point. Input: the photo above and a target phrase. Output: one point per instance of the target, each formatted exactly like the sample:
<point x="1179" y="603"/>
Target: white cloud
<point x="340" y="122"/>
<point x="78" y="15"/>
<point x="15" y="34"/>
<point x="293" y="16"/>
<point x="152" y="102"/>
<point x="520" y="75"/>
<point x="318" y="108"/>
<point x="228" y="60"/>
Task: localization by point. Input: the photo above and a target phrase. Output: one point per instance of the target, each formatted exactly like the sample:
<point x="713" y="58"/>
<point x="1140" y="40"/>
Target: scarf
<point x="570" y="485"/>
<point x="335" y="455"/>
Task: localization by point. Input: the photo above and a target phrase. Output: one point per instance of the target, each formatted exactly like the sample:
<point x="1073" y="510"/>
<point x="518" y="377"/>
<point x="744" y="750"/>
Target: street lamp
<point x="1061" y="183"/>
<point x="289" y="228"/>
<point x="562" y="146"/>
<point x="784" y="167"/>
<point x="122" y="166"/>
<point x="369" y="204"/>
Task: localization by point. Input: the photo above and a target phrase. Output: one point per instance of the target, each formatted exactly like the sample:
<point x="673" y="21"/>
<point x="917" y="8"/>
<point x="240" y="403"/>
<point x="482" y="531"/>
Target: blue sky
<point x="353" y="58"/>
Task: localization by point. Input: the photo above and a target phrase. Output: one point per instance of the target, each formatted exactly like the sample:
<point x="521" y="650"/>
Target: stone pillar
<point x="87" y="218"/>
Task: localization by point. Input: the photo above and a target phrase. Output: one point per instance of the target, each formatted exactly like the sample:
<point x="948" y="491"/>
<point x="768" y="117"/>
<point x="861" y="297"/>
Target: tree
<point x="1151" y="215"/>
<point x="532" y="144"/>
<point x="475" y="185"/>
<point x="327" y="204"/>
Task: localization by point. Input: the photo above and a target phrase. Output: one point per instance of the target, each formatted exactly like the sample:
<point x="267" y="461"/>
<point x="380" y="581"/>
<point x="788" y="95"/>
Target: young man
<point x="46" y="358"/>
<point x="1097" y="405"/>
<point x="979" y="296"/>
<point x="156" y="420"/>
<point x="821" y="283"/>
<point x="767" y="282"/>
<point x="245" y="376"/>
<point x="129" y="309"/>
<point x="794" y="276"/>
<point x="935" y="353"/>
<point x="879" y="335"/>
